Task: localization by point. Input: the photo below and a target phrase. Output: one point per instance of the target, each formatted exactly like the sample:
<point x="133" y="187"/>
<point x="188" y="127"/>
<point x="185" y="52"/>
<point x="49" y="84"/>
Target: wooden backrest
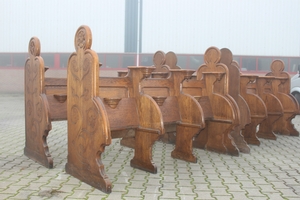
<point x="233" y="73"/>
<point x="116" y="95"/>
<point x="211" y="87"/>
<point x="161" y="90"/>
<point x="212" y="65"/>
<point x="277" y="70"/>
<point x="248" y="89"/>
<point x="281" y="86"/>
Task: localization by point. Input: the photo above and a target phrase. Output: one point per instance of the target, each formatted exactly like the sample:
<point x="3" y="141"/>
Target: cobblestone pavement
<point x="270" y="171"/>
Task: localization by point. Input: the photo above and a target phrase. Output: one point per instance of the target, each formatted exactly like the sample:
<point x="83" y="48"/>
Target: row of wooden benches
<point x="217" y="109"/>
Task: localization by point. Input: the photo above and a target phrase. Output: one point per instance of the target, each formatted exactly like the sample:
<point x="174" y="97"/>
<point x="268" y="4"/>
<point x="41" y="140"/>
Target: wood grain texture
<point x="37" y="115"/>
<point x="281" y="88"/>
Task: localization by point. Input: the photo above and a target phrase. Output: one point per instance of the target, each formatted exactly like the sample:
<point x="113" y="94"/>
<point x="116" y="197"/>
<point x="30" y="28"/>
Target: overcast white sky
<point x="247" y="27"/>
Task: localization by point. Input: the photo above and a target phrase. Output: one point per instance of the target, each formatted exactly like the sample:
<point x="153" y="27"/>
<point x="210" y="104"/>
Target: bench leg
<point x="216" y="137"/>
<point x="37" y="125"/>
<point x="36" y="147"/>
<point x="144" y="140"/>
<point x="184" y="143"/>
<point x="239" y="140"/>
<point x="84" y="161"/>
<point x="128" y="142"/>
<point x="97" y="179"/>
<point x="290" y="126"/>
<point x="284" y="125"/>
<point x="265" y="128"/>
<point x="201" y="139"/>
<point x="228" y="140"/>
<point x="249" y="132"/>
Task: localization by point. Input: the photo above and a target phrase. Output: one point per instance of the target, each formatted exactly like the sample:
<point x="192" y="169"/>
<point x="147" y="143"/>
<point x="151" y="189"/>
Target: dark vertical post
<point x="133" y="23"/>
<point x="140" y="25"/>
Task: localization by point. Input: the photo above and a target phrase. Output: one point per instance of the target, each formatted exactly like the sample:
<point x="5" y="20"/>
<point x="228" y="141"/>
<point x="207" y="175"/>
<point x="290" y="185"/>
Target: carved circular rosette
<point x="83" y="38"/>
<point x="34" y="47"/>
<point x="212" y="55"/>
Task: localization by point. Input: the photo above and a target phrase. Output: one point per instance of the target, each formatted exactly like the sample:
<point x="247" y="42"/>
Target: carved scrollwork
<point x="92" y="120"/>
<point x="87" y="131"/>
<point x="86" y="66"/>
<point x="36" y="107"/>
<point x="75" y="115"/>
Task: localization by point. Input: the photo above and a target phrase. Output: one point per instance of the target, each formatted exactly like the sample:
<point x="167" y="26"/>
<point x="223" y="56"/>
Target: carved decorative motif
<point x="36" y="108"/>
<point x="88" y="127"/>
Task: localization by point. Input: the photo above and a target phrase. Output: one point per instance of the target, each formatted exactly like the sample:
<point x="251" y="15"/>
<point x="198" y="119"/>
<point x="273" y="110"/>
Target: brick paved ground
<point x="270" y="171"/>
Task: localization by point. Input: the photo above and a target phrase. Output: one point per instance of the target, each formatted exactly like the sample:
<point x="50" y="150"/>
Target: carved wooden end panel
<point x="258" y="109"/>
<point x="281" y="88"/>
<point x="226" y="115"/>
<point x="88" y="126"/>
<point x="37" y="118"/>
<point x="234" y="92"/>
<point x="151" y="126"/>
<point x="273" y="105"/>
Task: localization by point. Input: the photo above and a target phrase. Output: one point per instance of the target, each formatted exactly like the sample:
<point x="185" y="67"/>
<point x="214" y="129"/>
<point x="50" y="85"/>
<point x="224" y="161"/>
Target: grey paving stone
<point x="271" y="170"/>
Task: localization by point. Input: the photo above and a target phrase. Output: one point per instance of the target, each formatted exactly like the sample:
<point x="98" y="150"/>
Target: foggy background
<point x="256" y="31"/>
<point x="248" y="27"/>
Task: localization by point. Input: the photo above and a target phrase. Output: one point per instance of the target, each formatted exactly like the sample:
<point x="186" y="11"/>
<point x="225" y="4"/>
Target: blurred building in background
<point x="129" y="32"/>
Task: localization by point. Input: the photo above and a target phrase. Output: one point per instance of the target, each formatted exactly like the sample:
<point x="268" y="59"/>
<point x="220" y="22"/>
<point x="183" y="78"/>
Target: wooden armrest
<point x="222" y="120"/>
<point x="191" y="125"/>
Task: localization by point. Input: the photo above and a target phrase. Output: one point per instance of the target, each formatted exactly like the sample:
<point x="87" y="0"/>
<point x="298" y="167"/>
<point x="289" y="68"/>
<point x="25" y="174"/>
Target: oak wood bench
<point x="182" y="115"/>
<point x="96" y="107"/>
<point x="92" y="121"/>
